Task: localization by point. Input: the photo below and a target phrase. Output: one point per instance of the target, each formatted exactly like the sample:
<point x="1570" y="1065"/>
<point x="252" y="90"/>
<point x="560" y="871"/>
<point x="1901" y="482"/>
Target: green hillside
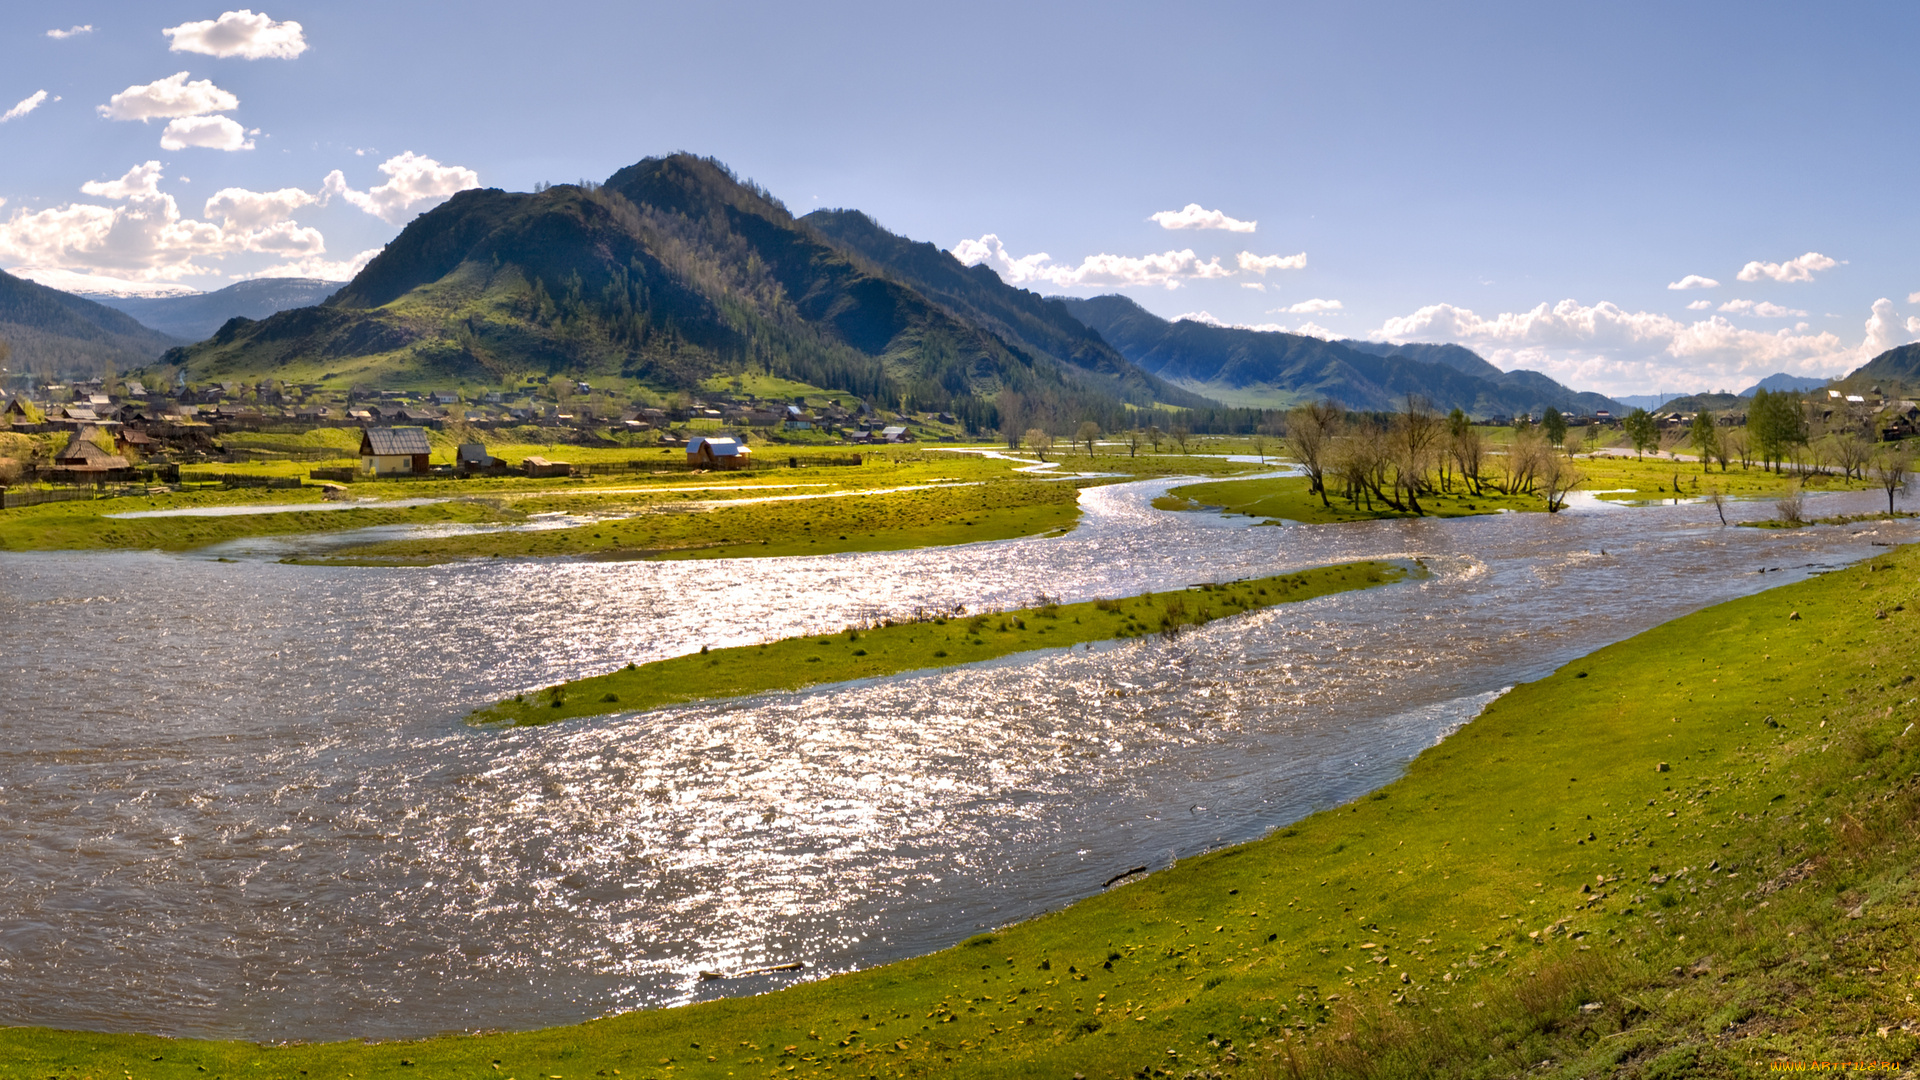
<point x="54" y="333"/>
<point x="671" y="272"/>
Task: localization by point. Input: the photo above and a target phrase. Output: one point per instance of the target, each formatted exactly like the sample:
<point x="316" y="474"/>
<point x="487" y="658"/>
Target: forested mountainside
<point x="1264" y="368"/>
<point x="53" y="333"/>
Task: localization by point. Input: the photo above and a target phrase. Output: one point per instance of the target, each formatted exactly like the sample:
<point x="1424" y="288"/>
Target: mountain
<point x="195" y="317"/>
<point x="1025" y="320"/>
<point x="1783" y="381"/>
<point x="1692" y="403"/>
<point x="1262" y="368"/>
<point x="669" y="272"/>
<point x="1895" y="367"/>
<point x="58" y="334"/>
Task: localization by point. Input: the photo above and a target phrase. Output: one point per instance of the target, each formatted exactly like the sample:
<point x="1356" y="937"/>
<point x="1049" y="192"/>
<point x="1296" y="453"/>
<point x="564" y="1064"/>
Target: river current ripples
<point x="238" y="799"/>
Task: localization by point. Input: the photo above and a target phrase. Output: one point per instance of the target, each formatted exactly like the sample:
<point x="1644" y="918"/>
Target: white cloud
<point x="1256" y="286"/>
<point x="324" y="269"/>
<point x="1700" y="305"/>
<point x="239" y="33"/>
<point x="146" y="239"/>
<point x="1260" y="264"/>
<point x="1913" y="324"/>
<point x="1605" y="347"/>
<point x="1913" y="298"/>
<point x="27" y="105"/>
<point x="1694" y="281"/>
<point x="1763" y="309"/>
<point x="96" y="285"/>
<point x="207" y="132"/>
<point x="1309" y="329"/>
<point x="1800" y="269"/>
<point x="170" y="97"/>
<point x="71" y="31"/>
<point x="412" y="182"/>
<point x="239" y="208"/>
<point x="140" y="182"/>
<point x="1194" y="216"/>
<point x="1206" y="318"/>
<point x="1098" y="271"/>
<point x="1885" y="330"/>
<point x="1314" y="307"/>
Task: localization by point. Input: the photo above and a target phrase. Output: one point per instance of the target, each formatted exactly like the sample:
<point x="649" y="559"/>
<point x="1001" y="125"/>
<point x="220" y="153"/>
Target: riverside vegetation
<point x="894" y="500"/>
<point x="1689" y="853"/>
<point x="937" y="639"/>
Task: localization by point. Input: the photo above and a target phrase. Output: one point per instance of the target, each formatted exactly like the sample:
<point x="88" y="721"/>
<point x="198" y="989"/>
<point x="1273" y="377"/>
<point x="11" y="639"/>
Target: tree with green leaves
<point x="1705" y="437"/>
<point x="1555" y="426"/>
<point x="1642" y="430"/>
<point x="1776" y="426"/>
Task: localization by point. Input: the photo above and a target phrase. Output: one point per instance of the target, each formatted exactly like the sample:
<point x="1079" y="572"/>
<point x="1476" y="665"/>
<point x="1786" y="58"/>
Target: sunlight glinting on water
<point x="238" y="798"/>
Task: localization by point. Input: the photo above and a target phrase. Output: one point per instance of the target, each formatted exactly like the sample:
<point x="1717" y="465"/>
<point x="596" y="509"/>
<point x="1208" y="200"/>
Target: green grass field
<point x="940" y="640"/>
<point x="1687" y="854"/>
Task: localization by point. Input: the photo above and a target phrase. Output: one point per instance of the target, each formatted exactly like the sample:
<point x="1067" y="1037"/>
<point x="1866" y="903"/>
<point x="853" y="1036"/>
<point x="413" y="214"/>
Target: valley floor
<point x="1690" y="853"/>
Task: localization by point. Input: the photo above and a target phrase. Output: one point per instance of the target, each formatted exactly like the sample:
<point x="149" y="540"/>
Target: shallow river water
<point x="237" y="799"/>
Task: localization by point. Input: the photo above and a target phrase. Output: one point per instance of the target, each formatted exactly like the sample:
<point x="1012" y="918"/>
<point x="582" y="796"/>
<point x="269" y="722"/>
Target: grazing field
<point x="938" y="640"/>
<point x="1689" y="853"/>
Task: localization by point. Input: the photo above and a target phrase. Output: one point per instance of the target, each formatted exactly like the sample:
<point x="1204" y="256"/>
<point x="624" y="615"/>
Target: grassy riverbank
<point x="899" y="498"/>
<point x="1689" y="853"/>
<point x="1616" y="478"/>
<point x="940" y="640"/>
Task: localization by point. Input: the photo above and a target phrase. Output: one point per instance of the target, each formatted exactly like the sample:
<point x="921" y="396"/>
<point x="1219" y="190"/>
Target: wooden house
<point x="385" y="451"/>
<point x="540" y="467"/>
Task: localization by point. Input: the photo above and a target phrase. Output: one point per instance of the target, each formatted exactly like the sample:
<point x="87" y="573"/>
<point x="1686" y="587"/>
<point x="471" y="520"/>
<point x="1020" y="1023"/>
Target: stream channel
<point x="238" y="799"/>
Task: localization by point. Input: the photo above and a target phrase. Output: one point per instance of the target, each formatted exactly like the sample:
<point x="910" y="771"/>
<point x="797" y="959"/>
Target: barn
<point x="708" y="452"/>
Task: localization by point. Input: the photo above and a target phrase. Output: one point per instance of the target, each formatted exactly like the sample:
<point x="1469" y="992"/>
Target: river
<point x="237" y="799"/>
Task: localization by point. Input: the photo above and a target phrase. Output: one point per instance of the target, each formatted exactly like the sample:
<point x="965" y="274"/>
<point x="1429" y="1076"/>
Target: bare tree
<point x="1133" y="442"/>
<point x="1468" y="448"/>
<point x="1153" y="436"/>
<point x="1180" y="435"/>
<point x="1312" y="429"/>
<point x="1851" y="453"/>
<point x="1792" y="507"/>
<point x="1013" y="412"/>
<point x="1892" y="468"/>
<point x="1737" y="444"/>
<point x="1719" y="501"/>
<point x="1039" y="442"/>
<point x="1259" y="441"/>
<point x="1558" y="477"/>
<point x="1522" y="462"/>
<point x="1088" y="432"/>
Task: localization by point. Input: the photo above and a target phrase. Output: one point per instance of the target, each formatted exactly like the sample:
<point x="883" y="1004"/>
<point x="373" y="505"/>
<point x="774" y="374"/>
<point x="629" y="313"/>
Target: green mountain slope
<point x="58" y="334"/>
<point x="192" y="318"/>
<point x="1251" y="367"/>
<point x="1033" y="324"/>
<point x="670" y="272"/>
<point x="1899" y="367"/>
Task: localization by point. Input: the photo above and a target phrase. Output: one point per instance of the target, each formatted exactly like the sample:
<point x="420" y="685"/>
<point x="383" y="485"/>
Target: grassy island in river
<point x="1687" y="854"/>
<point x="938" y="640"/>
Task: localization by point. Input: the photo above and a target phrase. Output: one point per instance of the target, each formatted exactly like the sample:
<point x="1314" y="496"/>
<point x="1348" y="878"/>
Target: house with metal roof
<point x="384" y="451"/>
<point x="717" y="452"/>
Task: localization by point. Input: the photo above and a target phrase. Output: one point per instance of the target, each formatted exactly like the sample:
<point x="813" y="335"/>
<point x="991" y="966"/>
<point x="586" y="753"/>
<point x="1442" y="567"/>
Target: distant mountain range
<point x="52" y="333"/>
<point x="195" y="317"/>
<point x="1277" y="370"/>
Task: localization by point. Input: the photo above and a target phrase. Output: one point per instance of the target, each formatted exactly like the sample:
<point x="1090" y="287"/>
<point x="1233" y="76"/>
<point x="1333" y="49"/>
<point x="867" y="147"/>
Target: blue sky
<point x="1529" y="180"/>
